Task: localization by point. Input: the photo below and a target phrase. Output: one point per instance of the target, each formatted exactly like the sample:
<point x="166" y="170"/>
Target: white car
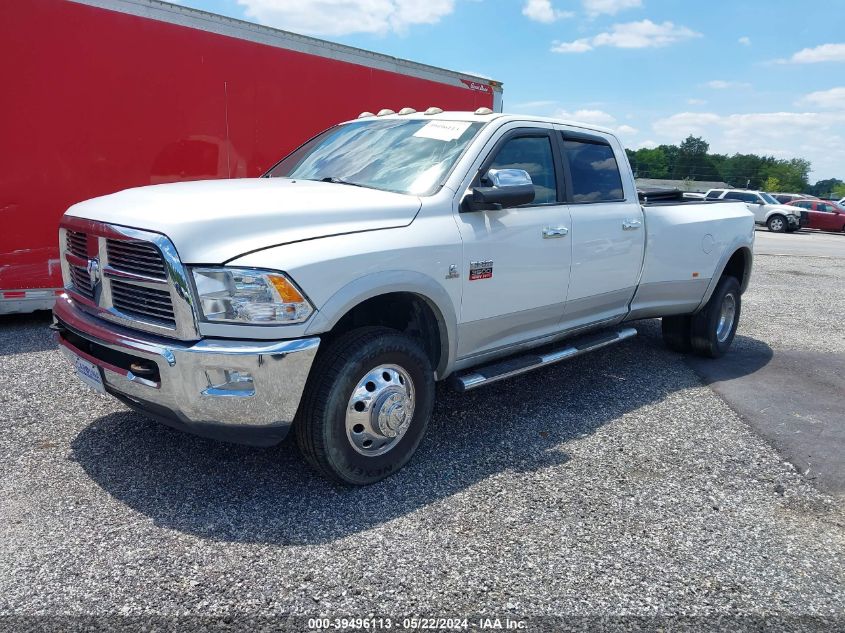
<point x="385" y="254"/>
<point x="780" y="218"/>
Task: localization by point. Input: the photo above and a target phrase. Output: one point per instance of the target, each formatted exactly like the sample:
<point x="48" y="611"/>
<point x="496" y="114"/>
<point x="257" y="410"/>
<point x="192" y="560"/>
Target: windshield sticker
<point x="443" y="130"/>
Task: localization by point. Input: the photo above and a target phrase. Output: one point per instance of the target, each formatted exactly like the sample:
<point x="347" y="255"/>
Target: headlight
<point x="241" y="295"/>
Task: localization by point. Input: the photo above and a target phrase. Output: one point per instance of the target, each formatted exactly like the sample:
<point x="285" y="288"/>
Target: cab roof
<point x="460" y="115"/>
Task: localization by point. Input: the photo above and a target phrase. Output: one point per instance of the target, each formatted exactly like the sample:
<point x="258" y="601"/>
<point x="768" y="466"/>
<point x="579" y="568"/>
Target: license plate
<point x="89" y="373"/>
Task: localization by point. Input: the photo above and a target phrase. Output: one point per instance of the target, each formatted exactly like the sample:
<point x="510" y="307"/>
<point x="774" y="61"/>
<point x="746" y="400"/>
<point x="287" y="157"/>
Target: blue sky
<point x="763" y="76"/>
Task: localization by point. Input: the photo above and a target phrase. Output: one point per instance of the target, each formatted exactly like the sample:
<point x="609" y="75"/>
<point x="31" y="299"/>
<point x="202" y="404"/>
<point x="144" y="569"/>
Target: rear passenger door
<point x="608" y="228"/>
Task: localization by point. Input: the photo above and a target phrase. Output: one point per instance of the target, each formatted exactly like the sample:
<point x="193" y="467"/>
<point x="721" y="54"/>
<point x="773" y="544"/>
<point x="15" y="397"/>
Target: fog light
<point x="229" y="382"/>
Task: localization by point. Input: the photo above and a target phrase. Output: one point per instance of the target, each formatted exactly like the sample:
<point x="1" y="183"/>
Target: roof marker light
<point x="484" y="111"/>
<point x="433" y="110"/>
<point x="407" y="111"/>
<point x="385" y="112"/>
<point x="365" y="114"/>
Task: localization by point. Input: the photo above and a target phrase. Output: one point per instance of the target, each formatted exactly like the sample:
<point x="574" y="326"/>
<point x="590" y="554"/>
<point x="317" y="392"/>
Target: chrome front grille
<point x="81" y="281"/>
<point x="77" y="243"/>
<point x="143" y="302"/>
<point x="127" y="276"/>
<point x="141" y="258"/>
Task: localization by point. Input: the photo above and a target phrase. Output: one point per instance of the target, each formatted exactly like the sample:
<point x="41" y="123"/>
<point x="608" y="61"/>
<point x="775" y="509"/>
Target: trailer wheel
<point x="366" y="406"/>
<point x="777" y="224"/>
<point x="714" y="327"/>
<point x="677" y="333"/>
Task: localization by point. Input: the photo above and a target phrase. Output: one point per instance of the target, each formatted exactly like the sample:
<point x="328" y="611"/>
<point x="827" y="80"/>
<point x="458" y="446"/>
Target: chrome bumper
<point x="239" y="391"/>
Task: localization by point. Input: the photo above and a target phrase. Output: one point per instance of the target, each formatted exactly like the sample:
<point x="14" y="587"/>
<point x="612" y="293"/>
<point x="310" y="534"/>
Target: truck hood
<point x="783" y="208"/>
<point x="213" y="221"/>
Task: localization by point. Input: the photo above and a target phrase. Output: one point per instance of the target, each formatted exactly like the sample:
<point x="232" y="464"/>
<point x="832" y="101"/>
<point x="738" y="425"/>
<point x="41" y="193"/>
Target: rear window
<point x="740" y="195"/>
<point x="595" y="173"/>
<point x="714" y="195"/>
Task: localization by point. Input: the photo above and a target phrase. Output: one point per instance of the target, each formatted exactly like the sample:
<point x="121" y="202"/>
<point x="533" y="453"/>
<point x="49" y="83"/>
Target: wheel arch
<point x="736" y="262"/>
<point x="408" y="288"/>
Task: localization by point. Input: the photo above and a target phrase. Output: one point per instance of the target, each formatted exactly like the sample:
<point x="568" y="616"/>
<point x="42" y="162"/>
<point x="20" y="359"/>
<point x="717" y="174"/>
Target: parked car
<point x="786" y="198"/>
<point x="826" y="216"/>
<point x="767" y="211"/>
<point x="385" y="254"/>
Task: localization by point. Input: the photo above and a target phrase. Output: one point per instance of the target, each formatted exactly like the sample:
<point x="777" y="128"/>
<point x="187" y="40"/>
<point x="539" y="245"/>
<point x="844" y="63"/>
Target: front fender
<point x="386" y="282"/>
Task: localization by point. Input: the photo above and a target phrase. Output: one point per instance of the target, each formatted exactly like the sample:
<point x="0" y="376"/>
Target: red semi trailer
<point x="102" y="95"/>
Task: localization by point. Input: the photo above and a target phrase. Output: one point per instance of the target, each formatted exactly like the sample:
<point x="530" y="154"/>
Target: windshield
<point x="410" y="156"/>
<point x="768" y="199"/>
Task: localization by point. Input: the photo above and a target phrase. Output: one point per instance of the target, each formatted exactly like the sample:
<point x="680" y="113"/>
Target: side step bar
<point x="488" y="374"/>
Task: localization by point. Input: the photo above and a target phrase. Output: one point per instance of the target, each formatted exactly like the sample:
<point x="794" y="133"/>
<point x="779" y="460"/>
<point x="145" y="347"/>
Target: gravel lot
<point x="615" y="484"/>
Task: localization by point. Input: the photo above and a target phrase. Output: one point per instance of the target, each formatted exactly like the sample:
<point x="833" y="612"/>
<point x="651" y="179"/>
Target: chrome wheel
<point x="380" y="410"/>
<point x="727" y="314"/>
<point x="776" y="225"/>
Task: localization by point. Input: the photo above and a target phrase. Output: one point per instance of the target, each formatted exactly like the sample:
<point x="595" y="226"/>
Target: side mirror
<point x="510" y="188"/>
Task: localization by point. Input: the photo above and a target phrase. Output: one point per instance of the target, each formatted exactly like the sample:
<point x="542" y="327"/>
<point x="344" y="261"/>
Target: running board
<point x="488" y="374"/>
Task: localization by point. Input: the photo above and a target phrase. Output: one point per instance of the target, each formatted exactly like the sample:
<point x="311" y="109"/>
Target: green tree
<point x="792" y="174"/>
<point x="825" y="188"/>
<point x="650" y="163"/>
<point x="771" y="184"/>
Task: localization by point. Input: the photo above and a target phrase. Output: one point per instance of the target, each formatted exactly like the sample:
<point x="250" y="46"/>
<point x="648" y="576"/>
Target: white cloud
<point x="578" y="46"/>
<point x="744" y="40"/>
<point x="829" y="99"/>
<point x="823" y="53"/>
<point x="340" y="17"/>
<point x="596" y="117"/>
<point x="648" y="144"/>
<point x="817" y="136"/>
<point x="610" y="7"/>
<point x="721" y="84"/>
<point x="696" y="101"/>
<point x="643" y="34"/>
<point x="543" y="11"/>
<point x="532" y="106"/>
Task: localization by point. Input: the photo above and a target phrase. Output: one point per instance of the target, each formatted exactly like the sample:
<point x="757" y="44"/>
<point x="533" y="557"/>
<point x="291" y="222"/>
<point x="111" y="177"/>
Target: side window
<point x="734" y="195"/>
<point x="534" y="155"/>
<point x="805" y="205"/>
<point x="595" y="174"/>
<point x="827" y="208"/>
<point x="714" y="195"/>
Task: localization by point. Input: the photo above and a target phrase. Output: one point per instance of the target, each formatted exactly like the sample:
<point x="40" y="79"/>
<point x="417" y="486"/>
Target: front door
<point x="608" y="229"/>
<point x="515" y="268"/>
<point x="828" y="217"/>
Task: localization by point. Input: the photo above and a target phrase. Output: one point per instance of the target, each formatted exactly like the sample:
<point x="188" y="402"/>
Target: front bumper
<point x="235" y="390"/>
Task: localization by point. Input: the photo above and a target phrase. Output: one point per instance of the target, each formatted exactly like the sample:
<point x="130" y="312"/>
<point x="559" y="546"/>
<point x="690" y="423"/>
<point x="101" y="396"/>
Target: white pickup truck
<point x="385" y="254"/>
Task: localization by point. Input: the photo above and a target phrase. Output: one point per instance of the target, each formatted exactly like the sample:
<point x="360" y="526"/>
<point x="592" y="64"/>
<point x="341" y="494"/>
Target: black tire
<point x="677" y="333"/>
<point x="777" y="224"/>
<point x="708" y="339"/>
<point x="321" y="425"/>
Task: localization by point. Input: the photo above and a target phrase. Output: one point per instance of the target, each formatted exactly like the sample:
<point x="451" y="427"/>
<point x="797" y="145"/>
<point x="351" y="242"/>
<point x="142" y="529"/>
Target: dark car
<point x="823" y="215"/>
<point x="786" y="198"/>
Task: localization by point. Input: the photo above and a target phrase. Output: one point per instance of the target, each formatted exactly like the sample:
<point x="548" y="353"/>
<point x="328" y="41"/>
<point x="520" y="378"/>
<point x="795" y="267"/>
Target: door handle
<point x="631" y="224"/>
<point x="551" y="232"/>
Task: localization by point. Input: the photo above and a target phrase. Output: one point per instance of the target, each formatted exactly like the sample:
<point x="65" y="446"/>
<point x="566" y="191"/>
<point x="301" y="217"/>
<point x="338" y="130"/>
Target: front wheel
<point x="777" y="224"/>
<point x="366" y="406"/>
<point x="714" y="327"/>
